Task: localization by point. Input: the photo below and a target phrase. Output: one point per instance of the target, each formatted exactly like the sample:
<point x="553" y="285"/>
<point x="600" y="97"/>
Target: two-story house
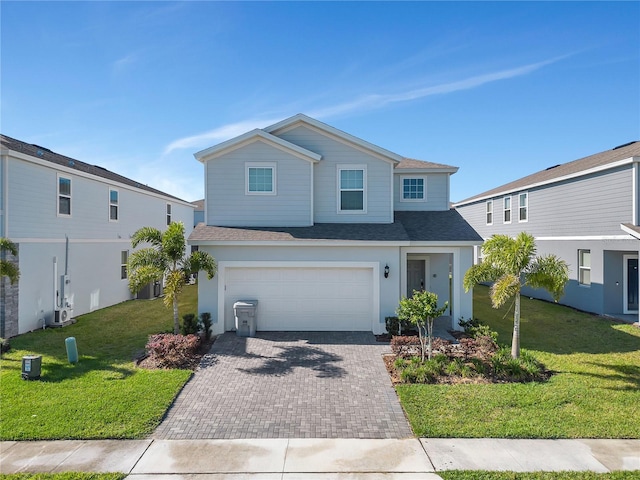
<point x="586" y="212"/>
<point x="72" y="223"/>
<point x="327" y="231"/>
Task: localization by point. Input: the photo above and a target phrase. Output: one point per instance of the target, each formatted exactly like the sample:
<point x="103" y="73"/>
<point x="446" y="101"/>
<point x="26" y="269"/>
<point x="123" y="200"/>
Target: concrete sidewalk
<point x="298" y="458"/>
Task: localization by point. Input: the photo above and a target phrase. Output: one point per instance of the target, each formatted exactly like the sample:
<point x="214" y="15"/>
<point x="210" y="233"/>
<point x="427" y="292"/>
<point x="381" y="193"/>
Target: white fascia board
<point x="114" y="183"/>
<point x="465" y="243"/>
<point x="301" y="119"/>
<point x="303" y="243"/>
<point x="250" y="137"/>
<point x="601" y="168"/>
<point x="630" y="231"/>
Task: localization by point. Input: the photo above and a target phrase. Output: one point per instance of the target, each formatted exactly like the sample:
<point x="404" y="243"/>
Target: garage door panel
<point x="304" y="298"/>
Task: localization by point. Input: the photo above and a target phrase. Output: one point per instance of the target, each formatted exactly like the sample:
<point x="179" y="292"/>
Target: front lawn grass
<point x="485" y="475"/>
<point x="63" y="476"/>
<point x="594" y="392"/>
<point x="104" y="395"/>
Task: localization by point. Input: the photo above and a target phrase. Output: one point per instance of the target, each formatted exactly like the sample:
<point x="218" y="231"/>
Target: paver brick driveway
<point x="289" y="385"/>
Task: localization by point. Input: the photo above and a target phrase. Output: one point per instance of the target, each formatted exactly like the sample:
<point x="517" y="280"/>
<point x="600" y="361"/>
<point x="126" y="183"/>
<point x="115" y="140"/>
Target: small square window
<point x="260" y="179"/>
<point x="412" y="189"/>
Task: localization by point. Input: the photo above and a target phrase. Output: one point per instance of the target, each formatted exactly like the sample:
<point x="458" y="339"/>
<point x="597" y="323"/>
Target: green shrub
<point x="458" y="368"/>
<point x="394" y="324"/>
<point x="479" y="367"/>
<point x="190" y="325"/>
<point x="475" y="329"/>
<point x="205" y="319"/>
<point x="5" y="346"/>
<point x="523" y="369"/>
<point x="172" y="351"/>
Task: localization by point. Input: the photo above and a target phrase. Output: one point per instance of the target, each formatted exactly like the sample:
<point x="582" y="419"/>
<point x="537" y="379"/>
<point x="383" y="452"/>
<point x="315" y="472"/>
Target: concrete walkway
<point x="297" y="458"/>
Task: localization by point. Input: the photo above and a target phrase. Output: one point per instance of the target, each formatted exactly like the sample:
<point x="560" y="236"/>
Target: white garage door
<point x="303" y="299"/>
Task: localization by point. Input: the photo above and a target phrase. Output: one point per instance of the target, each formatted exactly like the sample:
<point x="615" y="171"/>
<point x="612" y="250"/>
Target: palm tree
<point x="166" y="257"/>
<point x="511" y="263"/>
<point x="8" y="269"/>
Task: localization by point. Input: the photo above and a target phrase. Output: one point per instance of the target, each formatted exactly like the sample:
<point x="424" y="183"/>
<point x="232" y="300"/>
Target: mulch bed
<point x="143" y="360"/>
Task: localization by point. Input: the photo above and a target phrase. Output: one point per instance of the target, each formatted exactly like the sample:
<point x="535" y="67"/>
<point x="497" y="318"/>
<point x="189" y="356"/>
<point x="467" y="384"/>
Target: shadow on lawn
<point x="56" y="371"/>
<point x="627" y="374"/>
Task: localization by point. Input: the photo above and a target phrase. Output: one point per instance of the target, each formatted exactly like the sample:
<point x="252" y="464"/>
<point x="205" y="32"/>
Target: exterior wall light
<point x="386" y="271"/>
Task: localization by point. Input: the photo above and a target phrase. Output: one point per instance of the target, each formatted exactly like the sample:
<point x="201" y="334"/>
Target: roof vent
<point x="551" y="168"/>
<point x="624" y="145"/>
<point x="71" y="163"/>
<point x="40" y="153"/>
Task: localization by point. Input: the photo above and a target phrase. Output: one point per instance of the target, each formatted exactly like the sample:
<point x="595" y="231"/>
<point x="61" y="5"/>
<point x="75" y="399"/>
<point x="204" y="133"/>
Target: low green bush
<point x="476" y="329"/>
<point x="190" y="324"/>
<point x="205" y="319"/>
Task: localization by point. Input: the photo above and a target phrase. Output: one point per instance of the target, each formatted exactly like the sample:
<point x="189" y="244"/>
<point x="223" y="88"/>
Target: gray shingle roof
<point x="411" y="164"/>
<point x="633" y="228"/>
<point x="601" y="159"/>
<point x="46" y="154"/>
<point x="408" y="226"/>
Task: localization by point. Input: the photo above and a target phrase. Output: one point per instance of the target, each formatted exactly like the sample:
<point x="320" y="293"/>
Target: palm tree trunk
<point x="515" y="340"/>
<point x="176" y="321"/>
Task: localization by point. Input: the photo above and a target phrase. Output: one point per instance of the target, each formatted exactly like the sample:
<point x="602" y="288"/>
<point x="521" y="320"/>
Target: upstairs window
<point x="507" y="209"/>
<point x="523" y="214"/>
<point x="584" y="267"/>
<point x="168" y="214"/>
<point x="351" y="189"/>
<point x="124" y="259"/>
<point x="412" y="189"/>
<point x="489" y="212"/>
<point x="64" y="196"/>
<point x="261" y="178"/>
<point x="113" y="205"/>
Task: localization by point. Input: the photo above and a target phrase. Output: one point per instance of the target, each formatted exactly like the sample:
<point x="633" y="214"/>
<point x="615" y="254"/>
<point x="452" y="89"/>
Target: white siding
<point x="228" y="205"/>
<point x="379" y="205"/>
<point x="436" y="191"/>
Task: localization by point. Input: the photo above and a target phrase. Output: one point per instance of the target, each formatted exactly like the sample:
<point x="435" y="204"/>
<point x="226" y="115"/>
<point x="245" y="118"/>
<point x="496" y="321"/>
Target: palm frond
<point x="8" y="246"/>
<point x="143" y="275"/>
<point x="198" y="261"/>
<point x="173" y="242"/>
<point x="503" y="289"/>
<point x="549" y="272"/>
<point x="173" y="283"/>
<point x="147" y="257"/>
<point x="147" y="235"/>
<point x="480" y="273"/>
<point x="10" y="270"/>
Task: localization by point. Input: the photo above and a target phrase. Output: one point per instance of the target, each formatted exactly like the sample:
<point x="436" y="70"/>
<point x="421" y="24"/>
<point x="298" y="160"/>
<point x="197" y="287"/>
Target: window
<point x="168" y="214"/>
<point x="412" y="189"/>
<point x="64" y="196"/>
<point x="584" y="267"/>
<point x="351" y="189"/>
<point x="113" y="205"/>
<point x="523" y="207"/>
<point x="507" y="209"/>
<point x="261" y="178"/>
<point x="124" y="259"/>
<point x="489" y="212"/>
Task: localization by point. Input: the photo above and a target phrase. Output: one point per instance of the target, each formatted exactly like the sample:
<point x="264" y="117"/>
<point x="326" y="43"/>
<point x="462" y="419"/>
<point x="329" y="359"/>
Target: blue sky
<point x="500" y="89"/>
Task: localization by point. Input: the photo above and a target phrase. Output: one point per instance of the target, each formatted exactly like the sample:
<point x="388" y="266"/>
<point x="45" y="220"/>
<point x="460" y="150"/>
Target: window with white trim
<point x="113" y="205"/>
<point x="584" y="267"/>
<point x="260" y="178"/>
<point x="507" y="210"/>
<point x="64" y="196"/>
<point x="352" y="192"/>
<point x="412" y="189"/>
<point x="168" y="214"/>
<point x="124" y="259"/>
<point x="489" y="212"/>
<point x="523" y="207"/>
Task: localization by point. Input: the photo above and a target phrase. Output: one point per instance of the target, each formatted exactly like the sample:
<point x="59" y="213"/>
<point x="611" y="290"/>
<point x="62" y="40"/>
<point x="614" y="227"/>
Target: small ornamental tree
<point x="166" y="257"/>
<point x="421" y="310"/>
<point x="8" y="269"/>
<point x="511" y="263"/>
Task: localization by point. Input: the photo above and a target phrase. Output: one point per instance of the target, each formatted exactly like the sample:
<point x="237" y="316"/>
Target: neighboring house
<point x="198" y="213"/>
<point x="586" y="212"/>
<point x="326" y="230"/>
<point x="72" y="222"/>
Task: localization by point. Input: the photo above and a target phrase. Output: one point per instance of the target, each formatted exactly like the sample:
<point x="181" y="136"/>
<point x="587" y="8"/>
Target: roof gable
<point x="608" y="159"/>
<point x="339" y="135"/>
<point x="252" y="136"/>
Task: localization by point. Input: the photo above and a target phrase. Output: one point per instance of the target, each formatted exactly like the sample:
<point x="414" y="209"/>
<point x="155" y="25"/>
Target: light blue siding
<point x="436" y="192"/>
<point x="229" y="205"/>
<point x="334" y="153"/>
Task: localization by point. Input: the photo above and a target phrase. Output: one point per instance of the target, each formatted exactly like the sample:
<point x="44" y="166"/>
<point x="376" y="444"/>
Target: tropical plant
<point x="420" y="310"/>
<point x="166" y="258"/>
<point x="511" y="263"/>
<point x="7" y="268"/>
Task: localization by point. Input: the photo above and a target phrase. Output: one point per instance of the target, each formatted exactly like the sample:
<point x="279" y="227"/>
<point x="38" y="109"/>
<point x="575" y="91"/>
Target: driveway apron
<point x="289" y="385"/>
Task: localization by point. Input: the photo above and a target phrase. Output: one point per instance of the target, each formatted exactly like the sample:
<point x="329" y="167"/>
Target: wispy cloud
<point x="366" y="102"/>
<point x="123" y="63"/>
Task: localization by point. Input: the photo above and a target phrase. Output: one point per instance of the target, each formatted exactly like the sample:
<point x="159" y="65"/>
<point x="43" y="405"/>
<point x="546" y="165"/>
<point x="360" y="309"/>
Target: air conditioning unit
<point x="61" y="317"/>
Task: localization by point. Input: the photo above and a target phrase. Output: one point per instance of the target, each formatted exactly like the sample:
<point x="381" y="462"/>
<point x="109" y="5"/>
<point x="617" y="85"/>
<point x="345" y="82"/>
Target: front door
<point x="415" y="276"/>
<point x="631" y="284"/>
